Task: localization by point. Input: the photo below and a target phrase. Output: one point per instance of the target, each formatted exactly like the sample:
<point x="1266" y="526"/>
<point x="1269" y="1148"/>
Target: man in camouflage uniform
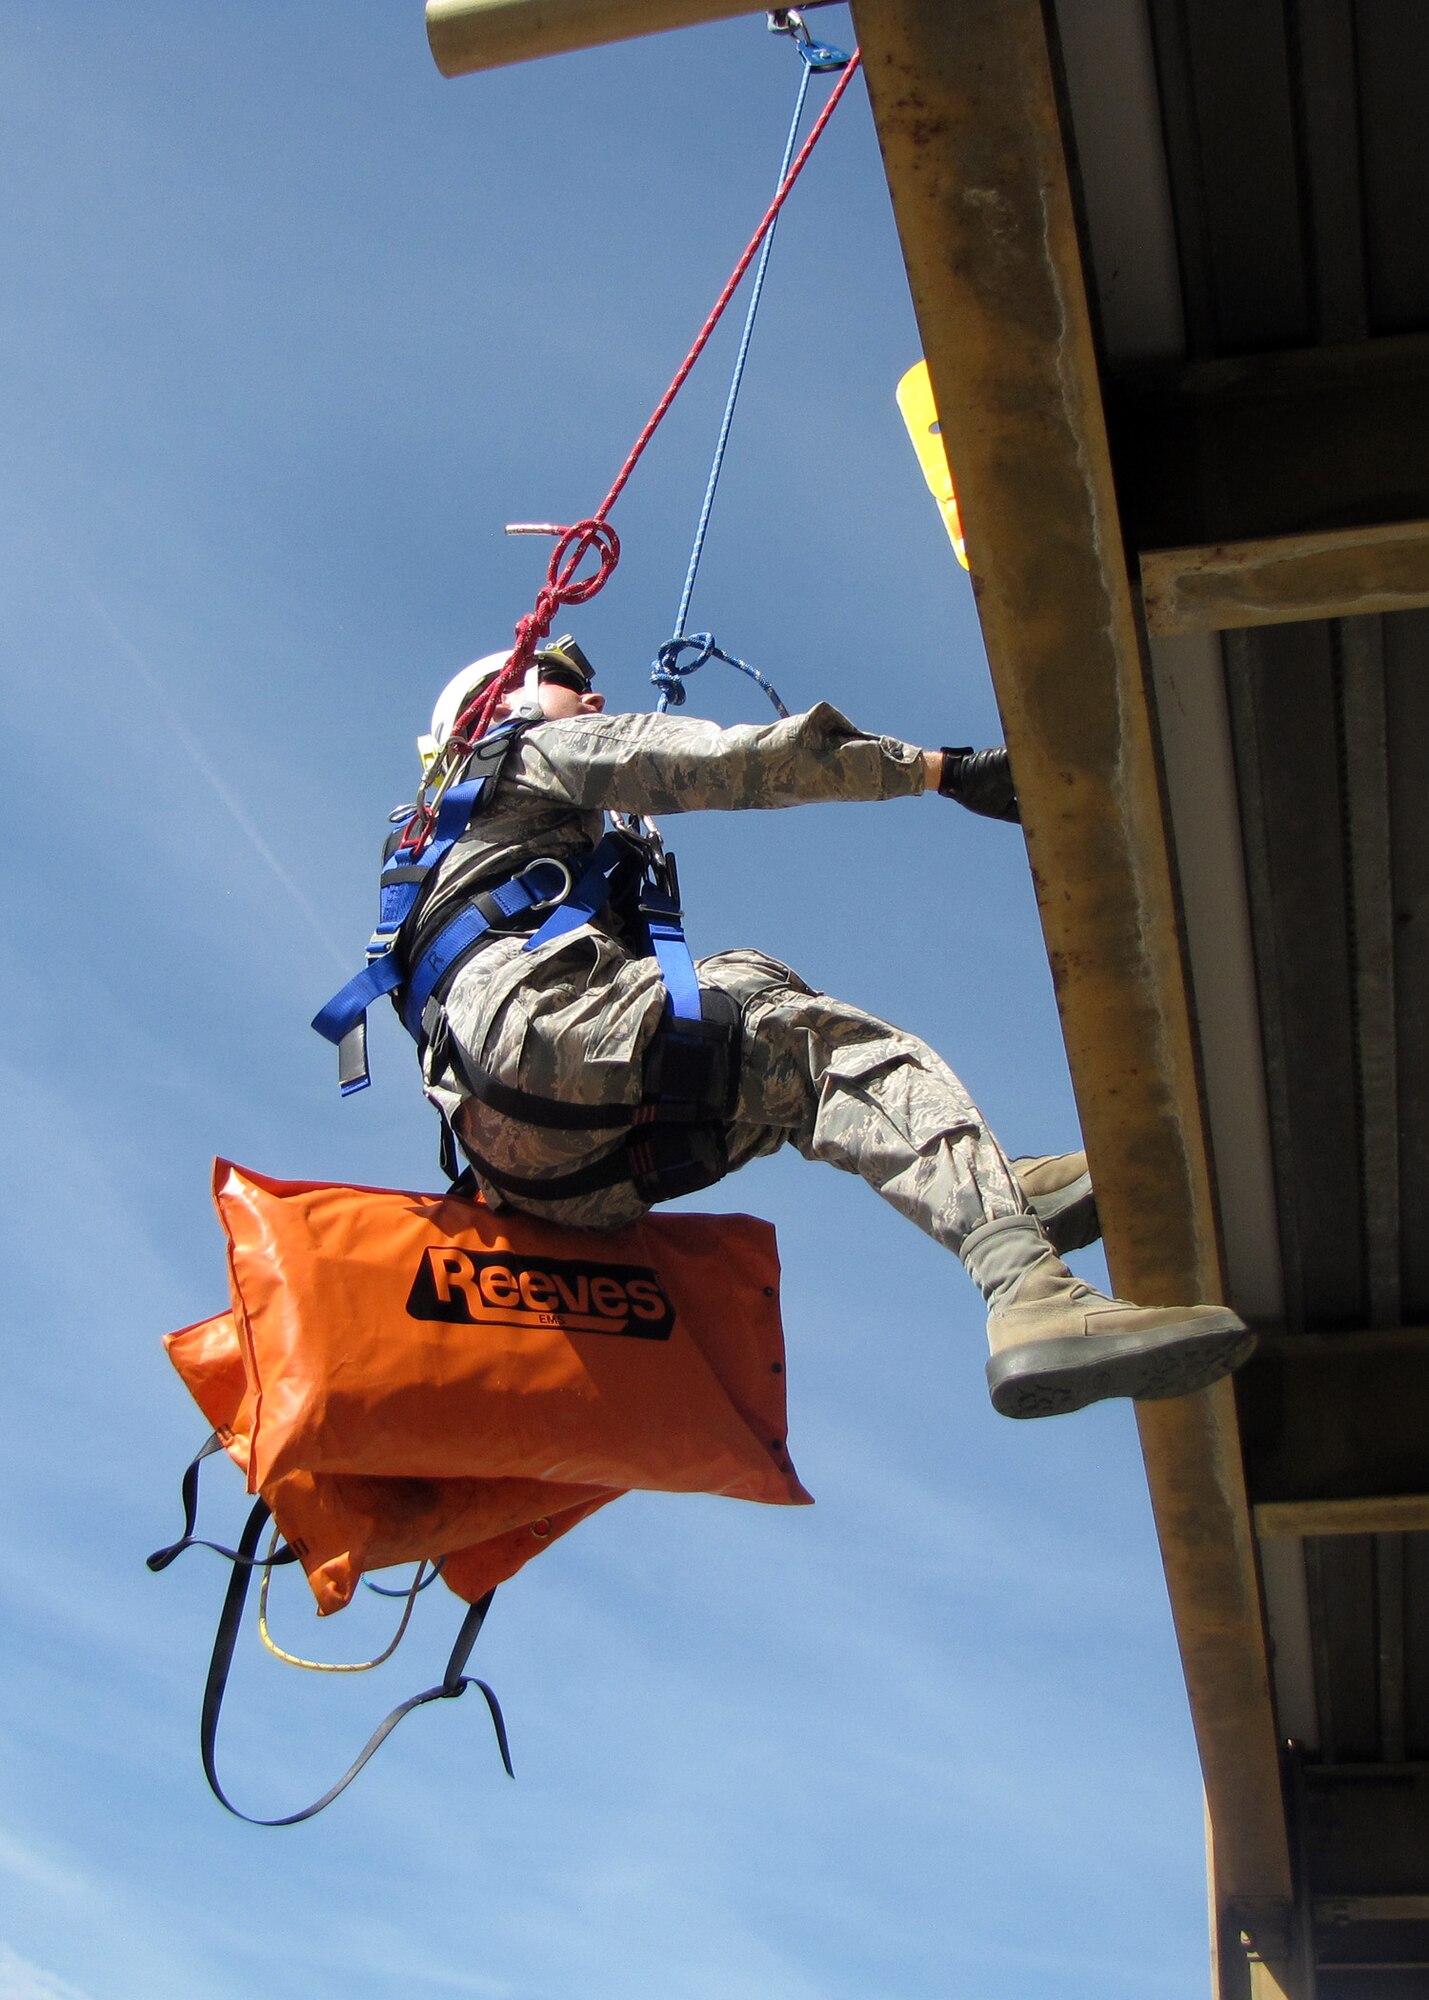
<point x="571" y="1021"/>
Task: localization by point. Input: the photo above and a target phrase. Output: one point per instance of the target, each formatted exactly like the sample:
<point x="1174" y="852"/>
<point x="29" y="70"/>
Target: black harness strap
<point x="691" y="1075"/>
<point x="662" y="1161"/>
<point x="676" y="1143"/>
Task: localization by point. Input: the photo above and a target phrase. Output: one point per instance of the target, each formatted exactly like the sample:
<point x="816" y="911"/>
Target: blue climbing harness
<point x="404" y="877"/>
<point x="691" y="1074"/>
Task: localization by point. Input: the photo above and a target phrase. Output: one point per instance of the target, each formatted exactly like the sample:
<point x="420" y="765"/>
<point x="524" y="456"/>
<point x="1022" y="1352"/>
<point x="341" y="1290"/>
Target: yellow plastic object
<point x="920" y="413"/>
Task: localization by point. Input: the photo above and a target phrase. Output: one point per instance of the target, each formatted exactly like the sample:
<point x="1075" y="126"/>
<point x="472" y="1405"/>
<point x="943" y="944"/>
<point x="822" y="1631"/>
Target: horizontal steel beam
<point x="467" y="35"/>
<point x="1384" y="1514"/>
<point x="1342" y="573"/>
<point x="1372" y="1909"/>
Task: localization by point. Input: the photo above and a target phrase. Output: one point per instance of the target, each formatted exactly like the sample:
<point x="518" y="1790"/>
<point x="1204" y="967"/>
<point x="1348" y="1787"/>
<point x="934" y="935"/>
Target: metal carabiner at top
<point x="816" y="55"/>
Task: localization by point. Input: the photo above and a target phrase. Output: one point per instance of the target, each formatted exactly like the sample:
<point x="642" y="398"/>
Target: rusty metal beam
<point x="467" y="35"/>
<point x="967" y="118"/>
<point x="1375" y="1514"/>
<point x="1340" y="573"/>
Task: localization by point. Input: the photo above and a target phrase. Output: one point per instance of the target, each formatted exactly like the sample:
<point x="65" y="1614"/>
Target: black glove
<point x="981" y="780"/>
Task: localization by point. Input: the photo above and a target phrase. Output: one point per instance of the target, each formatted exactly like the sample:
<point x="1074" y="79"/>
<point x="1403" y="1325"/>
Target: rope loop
<point x="571" y="551"/>
<point x="564" y="585"/>
<point x="669" y="675"/>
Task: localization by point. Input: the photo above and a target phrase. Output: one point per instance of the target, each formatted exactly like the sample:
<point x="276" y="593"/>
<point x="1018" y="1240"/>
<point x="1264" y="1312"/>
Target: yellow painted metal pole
<point x="966" y="111"/>
<point x="467" y="35"/>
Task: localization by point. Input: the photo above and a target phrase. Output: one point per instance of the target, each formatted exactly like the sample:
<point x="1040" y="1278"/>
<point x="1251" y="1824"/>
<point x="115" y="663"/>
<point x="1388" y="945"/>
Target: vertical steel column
<point x="967" y="116"/>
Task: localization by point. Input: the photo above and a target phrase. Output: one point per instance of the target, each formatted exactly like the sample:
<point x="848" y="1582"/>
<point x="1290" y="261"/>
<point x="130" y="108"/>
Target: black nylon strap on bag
<point x="453" y="1683"/>
<point x="188" y="1491"/>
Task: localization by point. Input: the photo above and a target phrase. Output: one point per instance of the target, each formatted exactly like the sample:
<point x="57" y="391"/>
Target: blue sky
<point x="291" y="328"/>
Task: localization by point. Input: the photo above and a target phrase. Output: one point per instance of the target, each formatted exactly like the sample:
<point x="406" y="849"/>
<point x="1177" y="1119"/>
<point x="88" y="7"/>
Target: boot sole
<point x="1051" y="1378"/>
<point x="1068" y="1217"/>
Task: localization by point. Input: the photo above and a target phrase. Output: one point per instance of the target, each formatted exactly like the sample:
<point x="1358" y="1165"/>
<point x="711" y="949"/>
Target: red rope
<point x="564" y="585"/>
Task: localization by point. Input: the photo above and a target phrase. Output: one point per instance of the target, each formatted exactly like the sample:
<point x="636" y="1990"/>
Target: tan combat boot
<point x="1058" y="1189"/>
<point x="1058" y="1344"/>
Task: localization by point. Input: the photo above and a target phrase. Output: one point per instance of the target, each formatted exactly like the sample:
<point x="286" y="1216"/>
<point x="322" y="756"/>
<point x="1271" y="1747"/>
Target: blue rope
<point x="666" y="673"/>
<point x="737" y="378"/>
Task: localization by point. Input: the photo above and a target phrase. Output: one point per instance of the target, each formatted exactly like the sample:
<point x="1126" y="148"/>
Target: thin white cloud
<point x="210" y="773"/>
<point x="20" y="1980"/>
<point x="24" y="1861"/>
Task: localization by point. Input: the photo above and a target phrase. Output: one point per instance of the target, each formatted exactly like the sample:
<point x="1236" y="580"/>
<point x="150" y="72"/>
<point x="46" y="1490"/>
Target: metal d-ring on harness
<point x="691" y="1076"/>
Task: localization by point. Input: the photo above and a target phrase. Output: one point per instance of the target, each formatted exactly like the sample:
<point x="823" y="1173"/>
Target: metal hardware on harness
<point x="567" y="882"/>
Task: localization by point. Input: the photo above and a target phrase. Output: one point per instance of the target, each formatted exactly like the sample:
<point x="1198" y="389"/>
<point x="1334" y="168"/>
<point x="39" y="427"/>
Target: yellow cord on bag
<point x="329" y="1666"/>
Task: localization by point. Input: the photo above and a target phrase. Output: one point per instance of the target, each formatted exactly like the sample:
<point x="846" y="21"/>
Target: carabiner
<point x="815" y="55"/>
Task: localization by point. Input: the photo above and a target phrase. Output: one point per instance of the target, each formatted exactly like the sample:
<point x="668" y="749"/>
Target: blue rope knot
<point x="669" y="675"/>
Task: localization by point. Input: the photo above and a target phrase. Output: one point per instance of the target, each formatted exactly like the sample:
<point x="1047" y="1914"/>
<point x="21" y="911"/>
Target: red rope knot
<point x="565" y="584"/>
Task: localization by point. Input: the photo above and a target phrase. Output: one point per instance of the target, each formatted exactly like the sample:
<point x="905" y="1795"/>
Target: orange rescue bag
<point x="406" y="1375"/>
<point x="341" y="1525"/>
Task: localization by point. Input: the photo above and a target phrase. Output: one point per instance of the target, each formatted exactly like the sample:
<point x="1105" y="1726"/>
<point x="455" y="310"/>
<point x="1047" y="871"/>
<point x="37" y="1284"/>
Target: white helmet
<point x="454" y="698"/>
<point x="560" y="659"/>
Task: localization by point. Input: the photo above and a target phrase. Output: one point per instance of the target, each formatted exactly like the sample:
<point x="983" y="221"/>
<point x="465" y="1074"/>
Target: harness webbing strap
<point x="692" y="1063"/>
<point x="663" y="918"/>
<point x="530" y="1109"/>
<point x="455" y="939"/>
<point x="691" y="1075"/>
<point x="344" y="1019"/>
<point x="611" y="857"/>
<point x="662" y="1161"/>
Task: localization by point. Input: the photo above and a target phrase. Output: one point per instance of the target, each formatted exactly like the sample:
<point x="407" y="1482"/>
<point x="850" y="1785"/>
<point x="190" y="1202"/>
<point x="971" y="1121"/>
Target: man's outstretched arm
<point x="662" y="764"/>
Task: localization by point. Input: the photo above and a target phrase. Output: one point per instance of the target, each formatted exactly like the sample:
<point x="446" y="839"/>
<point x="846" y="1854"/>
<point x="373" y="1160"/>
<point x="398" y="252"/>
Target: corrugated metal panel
<point x="1407" y="709"/>
<point x="1392" y="42"/>
<point x="1282" y="687"/>
<point x="1228" y="94"/>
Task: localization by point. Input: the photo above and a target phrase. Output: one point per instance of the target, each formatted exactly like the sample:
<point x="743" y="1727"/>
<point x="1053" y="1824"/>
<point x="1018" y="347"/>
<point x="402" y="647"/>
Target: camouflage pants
<point x="817" y="1074"/>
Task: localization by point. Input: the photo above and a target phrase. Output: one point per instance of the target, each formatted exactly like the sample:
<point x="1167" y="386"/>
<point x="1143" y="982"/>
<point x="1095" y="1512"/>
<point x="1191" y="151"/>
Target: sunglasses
<point x="561" y="676"/>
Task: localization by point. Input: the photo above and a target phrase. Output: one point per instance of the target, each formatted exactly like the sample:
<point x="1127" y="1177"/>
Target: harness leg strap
<point x="677" y="1144"/>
